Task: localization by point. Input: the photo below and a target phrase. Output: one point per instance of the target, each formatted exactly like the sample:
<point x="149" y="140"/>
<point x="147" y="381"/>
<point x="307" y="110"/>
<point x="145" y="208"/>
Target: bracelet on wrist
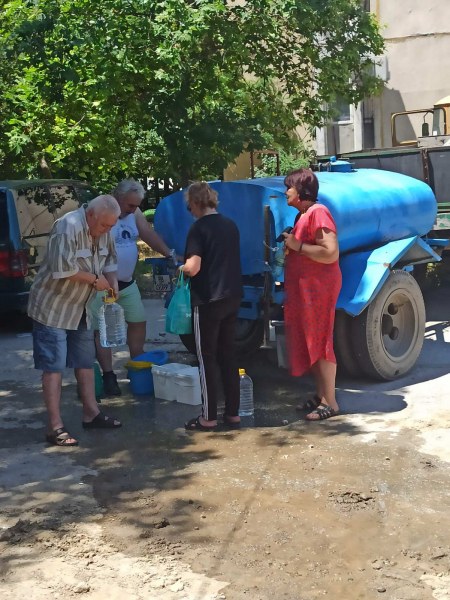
<point x="94" y="283"/>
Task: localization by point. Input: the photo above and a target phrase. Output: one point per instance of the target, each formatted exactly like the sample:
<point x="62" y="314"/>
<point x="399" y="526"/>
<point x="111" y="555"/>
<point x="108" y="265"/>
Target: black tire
<point x="343" y="347"/>
<point x="249" y="337"/>
<point x="388" y="335"/>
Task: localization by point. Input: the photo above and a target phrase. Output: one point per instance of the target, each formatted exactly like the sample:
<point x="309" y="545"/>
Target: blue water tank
<point x="370" y="207"/>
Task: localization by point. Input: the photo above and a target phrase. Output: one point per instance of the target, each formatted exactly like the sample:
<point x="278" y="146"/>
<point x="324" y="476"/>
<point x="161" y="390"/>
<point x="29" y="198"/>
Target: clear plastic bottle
<point x="278" y="263"/>
<point x="246" y="407"/>
<point x="111" y="321"/>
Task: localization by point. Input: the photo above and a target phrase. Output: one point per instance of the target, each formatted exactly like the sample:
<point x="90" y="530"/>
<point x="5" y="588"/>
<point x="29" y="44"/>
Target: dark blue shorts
<point x="55" y="349"/>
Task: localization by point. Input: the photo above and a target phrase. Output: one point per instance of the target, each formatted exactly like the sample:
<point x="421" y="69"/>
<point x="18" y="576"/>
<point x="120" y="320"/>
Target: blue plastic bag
<point x="179" y="314"/>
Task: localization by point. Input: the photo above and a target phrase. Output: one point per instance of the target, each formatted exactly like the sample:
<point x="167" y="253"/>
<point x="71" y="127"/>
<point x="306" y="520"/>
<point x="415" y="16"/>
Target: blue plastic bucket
<point x="141" y="379"/>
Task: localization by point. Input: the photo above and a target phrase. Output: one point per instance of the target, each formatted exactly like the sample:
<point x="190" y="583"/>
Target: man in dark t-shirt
<point x="212" y="260"/>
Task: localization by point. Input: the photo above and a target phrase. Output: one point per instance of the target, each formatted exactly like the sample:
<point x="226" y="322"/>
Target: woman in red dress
<point x="312" y="284"/>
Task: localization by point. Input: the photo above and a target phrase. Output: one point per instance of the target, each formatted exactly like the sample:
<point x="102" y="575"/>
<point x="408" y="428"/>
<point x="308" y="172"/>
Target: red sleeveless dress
<point x="311" y="292"/>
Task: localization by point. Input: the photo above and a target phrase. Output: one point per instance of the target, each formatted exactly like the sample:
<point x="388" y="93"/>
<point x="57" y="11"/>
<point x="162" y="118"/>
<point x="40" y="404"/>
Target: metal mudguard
<point x="364" y="273"/>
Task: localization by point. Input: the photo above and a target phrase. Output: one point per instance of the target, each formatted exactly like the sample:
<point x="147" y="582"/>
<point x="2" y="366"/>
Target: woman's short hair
<point x="305" y="182"/>
<point x="201" y="194"/>
<point x="128" y="186"/>
<point x="104" y="203"/>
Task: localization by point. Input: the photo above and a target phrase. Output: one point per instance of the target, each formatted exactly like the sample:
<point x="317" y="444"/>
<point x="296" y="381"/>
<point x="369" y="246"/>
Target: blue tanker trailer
<point x="382" y="219"/>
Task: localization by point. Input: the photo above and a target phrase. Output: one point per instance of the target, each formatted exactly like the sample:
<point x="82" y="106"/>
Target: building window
<point x="341" y="111"/>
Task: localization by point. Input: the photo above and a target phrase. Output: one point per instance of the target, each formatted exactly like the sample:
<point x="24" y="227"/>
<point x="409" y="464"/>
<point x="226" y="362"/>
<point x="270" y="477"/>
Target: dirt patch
<point x="196" y="518"/>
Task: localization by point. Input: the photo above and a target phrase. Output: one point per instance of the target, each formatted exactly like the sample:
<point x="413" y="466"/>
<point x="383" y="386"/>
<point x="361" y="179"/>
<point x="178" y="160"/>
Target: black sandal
<point x="310" y="404"/>
<point x="231" y="424"/>
<point x="60" y="437"/>
<point x="195" y="425"/>
<point x="102" y="421"/>
<point x="323" y="411"/>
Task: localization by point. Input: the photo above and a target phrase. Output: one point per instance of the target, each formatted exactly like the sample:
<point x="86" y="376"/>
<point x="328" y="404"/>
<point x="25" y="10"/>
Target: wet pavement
<point x="276" y="394"/>
<point x="354" y="507"/>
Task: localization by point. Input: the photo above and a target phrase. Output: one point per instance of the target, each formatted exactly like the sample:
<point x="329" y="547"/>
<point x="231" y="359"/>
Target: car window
<point x="4" y="223"/>
<point x="34" y="210"/>
<point x="35" y="213"/>
<point x="39" y="206"/>
<point x="85" y="194"/>
<point x="67" y="197"/>
<point x="63" y="199"/>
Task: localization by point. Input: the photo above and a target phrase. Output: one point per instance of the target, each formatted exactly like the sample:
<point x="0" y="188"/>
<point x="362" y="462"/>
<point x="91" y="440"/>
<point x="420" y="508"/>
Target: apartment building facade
<point x="414" y="69"/>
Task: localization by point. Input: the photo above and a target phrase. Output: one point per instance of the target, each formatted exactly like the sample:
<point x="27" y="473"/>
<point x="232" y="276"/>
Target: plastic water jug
<point x="111" y="320"/>
<point x="246" y="407"/>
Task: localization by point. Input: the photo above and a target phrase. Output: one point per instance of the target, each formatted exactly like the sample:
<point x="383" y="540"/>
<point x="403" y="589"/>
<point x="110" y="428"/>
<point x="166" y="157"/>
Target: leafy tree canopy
<point x="103" y="89"/>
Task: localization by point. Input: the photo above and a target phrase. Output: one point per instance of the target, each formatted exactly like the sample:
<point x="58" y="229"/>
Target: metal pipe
<point x="267" y="292"/>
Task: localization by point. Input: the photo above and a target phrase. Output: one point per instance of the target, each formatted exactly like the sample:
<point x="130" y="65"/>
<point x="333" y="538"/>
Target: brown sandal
<point x="60" y="437"/>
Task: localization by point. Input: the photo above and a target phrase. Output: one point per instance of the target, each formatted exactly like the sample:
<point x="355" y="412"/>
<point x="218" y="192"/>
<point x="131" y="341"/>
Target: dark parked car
<point x="28" y="210"/>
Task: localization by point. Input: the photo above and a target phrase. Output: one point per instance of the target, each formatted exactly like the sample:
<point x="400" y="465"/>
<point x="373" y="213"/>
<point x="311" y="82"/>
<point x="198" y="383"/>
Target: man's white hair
<point x="105" y="204"/>
<point x="126" y="186"/>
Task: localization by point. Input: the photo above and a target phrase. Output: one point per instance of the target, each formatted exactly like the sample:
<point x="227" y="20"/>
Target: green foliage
<point x="178" y="88"/>
<point x="301" y="156"/>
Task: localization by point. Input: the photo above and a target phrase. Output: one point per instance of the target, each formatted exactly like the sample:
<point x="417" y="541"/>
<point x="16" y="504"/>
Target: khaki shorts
<point x="129" y="299"/>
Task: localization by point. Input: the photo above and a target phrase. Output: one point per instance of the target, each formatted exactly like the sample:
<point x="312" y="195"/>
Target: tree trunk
<point x="45" y="168"/>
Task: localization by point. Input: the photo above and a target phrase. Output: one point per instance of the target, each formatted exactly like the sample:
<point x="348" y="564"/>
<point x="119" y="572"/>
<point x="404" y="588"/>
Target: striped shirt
<point x="54" y="299"/>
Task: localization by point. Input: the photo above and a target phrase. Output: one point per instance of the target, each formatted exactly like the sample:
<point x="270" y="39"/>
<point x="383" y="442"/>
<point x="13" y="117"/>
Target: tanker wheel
<point x="249" y="337"/>
<point x="388" y="335"/>
<point x="343" y="345"/>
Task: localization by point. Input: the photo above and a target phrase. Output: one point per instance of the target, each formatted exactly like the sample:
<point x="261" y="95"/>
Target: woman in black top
<point x="212" y="260"/>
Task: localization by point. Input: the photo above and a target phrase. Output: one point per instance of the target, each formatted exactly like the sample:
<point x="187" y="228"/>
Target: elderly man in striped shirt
<point x="80" y="260"/>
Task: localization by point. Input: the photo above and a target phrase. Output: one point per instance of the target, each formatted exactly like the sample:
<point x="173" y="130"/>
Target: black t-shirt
<point x="215" y="239"/>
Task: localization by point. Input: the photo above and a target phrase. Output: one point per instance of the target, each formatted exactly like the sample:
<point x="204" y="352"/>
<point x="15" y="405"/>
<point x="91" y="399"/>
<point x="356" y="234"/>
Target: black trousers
<point x="214" y="331"/>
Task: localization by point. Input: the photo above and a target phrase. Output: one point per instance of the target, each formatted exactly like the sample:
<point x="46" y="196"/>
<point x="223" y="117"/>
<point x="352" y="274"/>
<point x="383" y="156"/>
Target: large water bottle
<point x="246" y="407"/>
<point x="111" y="321"/>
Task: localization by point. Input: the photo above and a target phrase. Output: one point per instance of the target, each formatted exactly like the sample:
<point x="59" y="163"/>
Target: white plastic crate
<point x="187" y="386"/>
<point x="163" y="379"/>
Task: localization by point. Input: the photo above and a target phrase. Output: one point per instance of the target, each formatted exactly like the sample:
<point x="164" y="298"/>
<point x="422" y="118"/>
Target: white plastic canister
<point x="163" y="379"/>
